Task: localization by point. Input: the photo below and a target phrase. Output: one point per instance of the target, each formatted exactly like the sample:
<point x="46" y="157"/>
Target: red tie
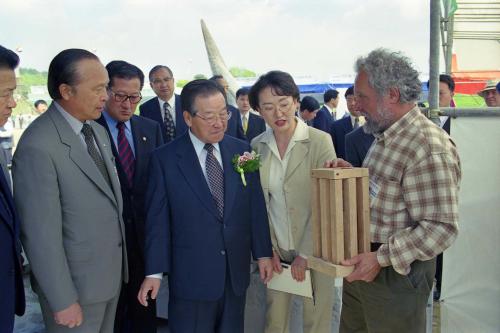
<point x="126" y="156"/>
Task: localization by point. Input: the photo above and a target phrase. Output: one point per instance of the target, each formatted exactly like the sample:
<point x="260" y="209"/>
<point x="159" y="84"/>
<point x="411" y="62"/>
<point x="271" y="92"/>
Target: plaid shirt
<point x="414" y="182"/>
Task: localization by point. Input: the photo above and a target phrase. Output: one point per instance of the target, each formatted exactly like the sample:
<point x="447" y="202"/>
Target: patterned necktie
<point x="356" y="123"/>
<point x="93" y="152"/>
<point x="245" y="124"/>
<point x="125" y="154"/>
<point x="169" y="122"/>
<point x="215" y="177"/>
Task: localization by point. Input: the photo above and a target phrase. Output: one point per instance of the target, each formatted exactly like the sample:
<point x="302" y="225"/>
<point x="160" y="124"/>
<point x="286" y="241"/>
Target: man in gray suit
<point x="68" y="196"/>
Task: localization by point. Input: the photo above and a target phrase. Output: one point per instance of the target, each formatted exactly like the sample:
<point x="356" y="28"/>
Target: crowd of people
<point x="108" y="205"/>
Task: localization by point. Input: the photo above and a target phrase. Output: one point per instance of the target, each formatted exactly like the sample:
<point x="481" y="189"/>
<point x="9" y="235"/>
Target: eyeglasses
<point x="120" y="98"/>
<point x="212" y="117"/>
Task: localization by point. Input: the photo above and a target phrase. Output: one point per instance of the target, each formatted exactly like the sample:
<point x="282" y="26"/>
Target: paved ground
<point x="32" y="322"/>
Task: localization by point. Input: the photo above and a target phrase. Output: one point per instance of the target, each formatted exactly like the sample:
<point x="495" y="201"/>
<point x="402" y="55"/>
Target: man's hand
<point x="149" y="284"/>
<point x="299" y="266"/>
<point x="265" y="269"/>
<point x="71" y="317"/>
<point x="366" y="267"/>
<point x="277" y="263"/>
<point x="337" y="163"/>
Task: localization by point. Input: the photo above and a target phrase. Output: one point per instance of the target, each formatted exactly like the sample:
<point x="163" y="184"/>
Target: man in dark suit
<point x="252" y="124"/>
<point x="234" y="125"/>
<point x="357" y="144"/>
<point x="11" y="280"/>
<point x="69" y="201"/>
<point x="202" y="222"/>
<point x="166" y="107"/>
<point x="342" y="127"/>
<point x="133" y="138"/>
<point x="326" y="115"/>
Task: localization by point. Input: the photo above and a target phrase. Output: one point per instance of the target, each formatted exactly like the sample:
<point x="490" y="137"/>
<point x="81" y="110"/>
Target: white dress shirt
<point x="278" y="212"/>
<point x="171" y="101"/>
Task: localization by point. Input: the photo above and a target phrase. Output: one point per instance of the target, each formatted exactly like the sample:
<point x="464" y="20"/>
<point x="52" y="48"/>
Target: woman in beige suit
<point x="289" y="149"/>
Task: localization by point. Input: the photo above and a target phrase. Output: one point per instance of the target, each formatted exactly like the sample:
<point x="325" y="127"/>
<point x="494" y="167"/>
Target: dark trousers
<point x="224" y="315"/>
<point x="391" y="303"/>
<point x="131" y="316"/>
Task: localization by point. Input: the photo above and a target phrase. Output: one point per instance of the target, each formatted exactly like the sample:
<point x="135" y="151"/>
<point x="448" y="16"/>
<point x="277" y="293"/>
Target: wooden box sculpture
<point x="340" y="217"/>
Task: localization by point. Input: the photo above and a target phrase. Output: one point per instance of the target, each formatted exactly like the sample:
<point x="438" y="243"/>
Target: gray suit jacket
<point x="72" y="228"/>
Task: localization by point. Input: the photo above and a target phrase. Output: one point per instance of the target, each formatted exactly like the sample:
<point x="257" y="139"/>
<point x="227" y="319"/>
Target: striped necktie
<point x="245" y="124"/>
<point x="125" y="154"/>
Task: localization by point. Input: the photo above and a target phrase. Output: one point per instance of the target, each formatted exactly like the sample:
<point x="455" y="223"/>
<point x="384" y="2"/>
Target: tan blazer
<point x="307" y="154"/>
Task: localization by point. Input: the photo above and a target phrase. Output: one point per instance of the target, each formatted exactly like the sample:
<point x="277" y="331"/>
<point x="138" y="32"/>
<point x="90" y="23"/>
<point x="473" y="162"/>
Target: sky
<point x="308" y="38"/>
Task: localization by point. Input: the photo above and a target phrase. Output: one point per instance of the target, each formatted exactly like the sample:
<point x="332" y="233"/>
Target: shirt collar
<point x="112" y="122"/>
<point x="301" y="132"/>
<point x="200" y="145"/>
<point x="400" y="125"/>
<point x="75" y="124"/>
<point x="171" y="101"/>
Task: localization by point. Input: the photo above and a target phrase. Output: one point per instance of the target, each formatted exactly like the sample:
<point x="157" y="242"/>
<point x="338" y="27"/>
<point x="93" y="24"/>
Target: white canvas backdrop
<point x="471" y="271"/>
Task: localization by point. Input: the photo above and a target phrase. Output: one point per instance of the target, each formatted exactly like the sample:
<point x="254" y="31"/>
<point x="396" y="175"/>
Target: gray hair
<point x="386" y="69"/>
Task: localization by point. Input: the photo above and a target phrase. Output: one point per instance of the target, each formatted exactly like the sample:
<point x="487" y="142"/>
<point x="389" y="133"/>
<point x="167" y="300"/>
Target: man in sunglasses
<point x="133" y="139"/>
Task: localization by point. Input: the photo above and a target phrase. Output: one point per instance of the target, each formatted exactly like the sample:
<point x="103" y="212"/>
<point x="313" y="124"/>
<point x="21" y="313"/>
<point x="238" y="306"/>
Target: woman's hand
<point x="299" y="266"/>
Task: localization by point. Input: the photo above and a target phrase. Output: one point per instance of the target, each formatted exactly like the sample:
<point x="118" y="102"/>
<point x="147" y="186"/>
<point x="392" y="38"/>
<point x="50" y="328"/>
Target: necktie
<point x="215" y="177"/>
<point x="92" y="150"/>
<point x="245" y="124"/>
<point x="356" y="123"/>
<point x="169" y="122"/>
<point x="125" y="154"/>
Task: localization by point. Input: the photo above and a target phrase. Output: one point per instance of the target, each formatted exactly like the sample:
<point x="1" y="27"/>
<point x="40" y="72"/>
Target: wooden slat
<point x="316" y="218"/>
<point x="339" y="173"/>
<point x="337" y="224"/>
<point x="328" y="268"/>
<point x="350" y="218"/>
<point x="326" y="240"/>
<point x="363" y="203"/>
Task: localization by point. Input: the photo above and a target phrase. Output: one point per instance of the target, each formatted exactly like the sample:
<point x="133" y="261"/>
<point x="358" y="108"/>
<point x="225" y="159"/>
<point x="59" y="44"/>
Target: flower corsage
<point x="248" y="162"/>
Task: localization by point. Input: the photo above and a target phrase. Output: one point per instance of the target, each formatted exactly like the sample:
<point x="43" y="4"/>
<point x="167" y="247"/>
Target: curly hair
<point x="387" y="69"/>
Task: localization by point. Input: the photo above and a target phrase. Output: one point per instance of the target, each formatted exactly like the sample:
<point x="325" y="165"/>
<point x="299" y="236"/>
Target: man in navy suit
<point x="166" y="108"/>
<point x="134" y="139"/>
<point x="326" y="115"/>
<point x="357" y="144"/>
<point x="11" y="280"/>
<point x="202" y="222"/>
<point x="252" y="124"/>
<point x="234" y="125"/>
<point x="342" y="127"/>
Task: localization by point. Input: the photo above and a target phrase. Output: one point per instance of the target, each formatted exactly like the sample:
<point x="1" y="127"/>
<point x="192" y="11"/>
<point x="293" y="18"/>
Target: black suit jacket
<point x="256" y="125"/>
<point x="234" y="126"/>
<point x="339" y="130"/>
<point x="11" y="280"/>
<point x="357" y="144"/>
<point x="151" y="109"/>
<point x="323" y="120"/>
<point x="147" y="137"/>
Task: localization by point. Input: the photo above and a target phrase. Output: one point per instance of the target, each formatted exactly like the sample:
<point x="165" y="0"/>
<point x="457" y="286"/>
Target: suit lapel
<point x="7" y="202"/>
<point x="231" y="178"/>
<point x="77" y="152"/>
<point x="297" y="156"/>
<point x="140" y="143"/>
<point x="189" y="166"/>
<point x="109" y="161"/>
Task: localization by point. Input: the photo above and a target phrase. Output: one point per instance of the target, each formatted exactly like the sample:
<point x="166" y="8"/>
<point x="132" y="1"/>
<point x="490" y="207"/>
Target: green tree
<point x="199" y="77"/>
<point x="181" y="83"/>
<point x="241" y="72"/>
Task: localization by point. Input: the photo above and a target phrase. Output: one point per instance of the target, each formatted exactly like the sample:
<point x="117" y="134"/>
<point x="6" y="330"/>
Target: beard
<point x="378" y="126"/>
